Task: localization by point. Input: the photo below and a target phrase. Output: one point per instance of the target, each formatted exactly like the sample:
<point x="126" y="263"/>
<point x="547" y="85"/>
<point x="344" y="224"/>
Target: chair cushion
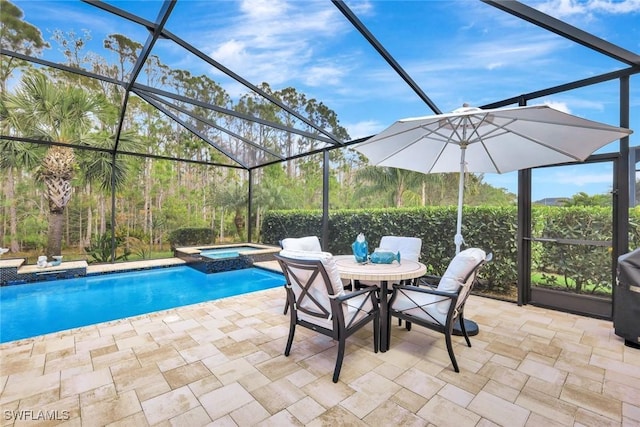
<point x="308" y="243"/>
<point x="328" y="262"/>
<point x="351" y="308"/>
<point x="459" y="268"/>
<point x="409" y="247"/>
<point x="428" y="302"/>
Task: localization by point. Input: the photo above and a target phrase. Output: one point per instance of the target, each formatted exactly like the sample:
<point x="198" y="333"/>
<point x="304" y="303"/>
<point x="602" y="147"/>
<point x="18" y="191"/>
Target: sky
<point x="457" y="51"/>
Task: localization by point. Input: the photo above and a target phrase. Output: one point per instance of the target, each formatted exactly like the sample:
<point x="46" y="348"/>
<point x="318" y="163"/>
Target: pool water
<point x="29" y="310"/>
<point x="231" y="252"/>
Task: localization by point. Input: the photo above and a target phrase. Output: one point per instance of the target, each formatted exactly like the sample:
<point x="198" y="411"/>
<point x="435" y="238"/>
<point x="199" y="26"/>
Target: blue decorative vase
<point x="384" y="257"/>
<point x="360" y="249"/>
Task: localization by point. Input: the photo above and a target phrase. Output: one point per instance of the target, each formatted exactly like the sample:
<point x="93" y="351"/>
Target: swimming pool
<point x="34" y="309"/>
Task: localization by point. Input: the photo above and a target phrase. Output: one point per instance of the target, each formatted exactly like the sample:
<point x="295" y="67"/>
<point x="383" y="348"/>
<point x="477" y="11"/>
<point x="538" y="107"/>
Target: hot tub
<point x="212" y="259"/>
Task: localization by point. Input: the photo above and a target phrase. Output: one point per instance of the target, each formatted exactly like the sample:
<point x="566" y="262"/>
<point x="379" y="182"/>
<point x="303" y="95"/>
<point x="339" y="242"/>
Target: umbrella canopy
<point x="496" y="141"/>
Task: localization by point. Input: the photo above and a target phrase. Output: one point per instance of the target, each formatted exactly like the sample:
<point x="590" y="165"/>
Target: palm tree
<point x="61" y="114"/>
<point x="397" y="183"/>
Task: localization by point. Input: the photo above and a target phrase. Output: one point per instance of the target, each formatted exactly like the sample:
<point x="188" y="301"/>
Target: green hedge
<point x="491" y="228"/>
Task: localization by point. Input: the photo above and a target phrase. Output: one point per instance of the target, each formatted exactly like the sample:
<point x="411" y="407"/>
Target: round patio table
<point x="349" y="269"/>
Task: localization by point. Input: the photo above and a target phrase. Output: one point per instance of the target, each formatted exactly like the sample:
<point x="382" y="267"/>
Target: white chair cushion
<point x="409" y="247"/>
<point x="308" y="243"/>
<point x="428" y="302"/>
<point x="350" y="308"/>
<point x="459" y="268"/>
<point x="328" y="262"/>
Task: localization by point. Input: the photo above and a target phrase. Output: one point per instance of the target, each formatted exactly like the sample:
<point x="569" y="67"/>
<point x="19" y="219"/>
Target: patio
<point x="221" y="363"/>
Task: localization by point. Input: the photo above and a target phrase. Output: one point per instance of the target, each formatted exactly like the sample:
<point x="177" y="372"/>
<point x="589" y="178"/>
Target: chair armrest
<point x="424" y="290"/>
<point x="359" y="292"/>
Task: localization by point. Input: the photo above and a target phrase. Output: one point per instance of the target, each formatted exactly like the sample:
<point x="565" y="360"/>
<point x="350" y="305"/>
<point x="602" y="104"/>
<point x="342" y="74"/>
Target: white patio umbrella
<point x="497" y="141"/>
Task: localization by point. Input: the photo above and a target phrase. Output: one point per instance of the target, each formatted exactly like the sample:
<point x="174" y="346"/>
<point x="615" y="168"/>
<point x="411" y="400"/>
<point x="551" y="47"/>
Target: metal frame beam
<point x="194" y="131"/>
<point x="148" y="96"/>
<point x="143" y="88"/>
<point x="342" y="7"/>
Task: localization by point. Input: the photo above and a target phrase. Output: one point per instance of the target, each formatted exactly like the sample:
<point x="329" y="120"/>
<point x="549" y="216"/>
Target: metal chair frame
<point x="455" y="313"/>
<point x="306" y="303"/>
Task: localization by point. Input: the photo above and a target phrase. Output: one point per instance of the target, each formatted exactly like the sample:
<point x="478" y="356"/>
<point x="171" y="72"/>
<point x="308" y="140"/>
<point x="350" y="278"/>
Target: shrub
<point x="494" y="229"/>
<point x="100" y="249"/>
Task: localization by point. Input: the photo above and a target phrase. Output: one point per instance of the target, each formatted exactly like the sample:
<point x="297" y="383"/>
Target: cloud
<point x="570" y="8"/>
<point x="263" y="9"/>
<point x="560" y="106"/>
<point x="514" y="51"/>
<point x="562" y="8"/>
<point x="364" y="128"/>
<point x="362" y="8"/>
<point x="323" y="75"/>
<point x="278" y="41"/>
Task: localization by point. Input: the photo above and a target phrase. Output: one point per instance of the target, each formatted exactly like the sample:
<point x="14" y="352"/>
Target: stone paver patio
<point x="221" y="363"/>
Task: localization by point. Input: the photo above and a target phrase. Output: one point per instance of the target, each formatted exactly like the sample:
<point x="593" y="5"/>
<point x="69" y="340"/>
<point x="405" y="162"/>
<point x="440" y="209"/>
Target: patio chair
<point x="306" y="243"/>
<point x="319" y="302"/>
<point x="409" y="247"/>
<point x="439" y="308"/>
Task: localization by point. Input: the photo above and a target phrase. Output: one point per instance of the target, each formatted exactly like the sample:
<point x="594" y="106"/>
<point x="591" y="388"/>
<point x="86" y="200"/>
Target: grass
<point x="567" y="284"/>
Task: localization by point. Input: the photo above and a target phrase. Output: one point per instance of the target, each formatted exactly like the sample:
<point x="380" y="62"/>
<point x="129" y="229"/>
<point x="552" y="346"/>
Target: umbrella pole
<point x="458" y="240"/>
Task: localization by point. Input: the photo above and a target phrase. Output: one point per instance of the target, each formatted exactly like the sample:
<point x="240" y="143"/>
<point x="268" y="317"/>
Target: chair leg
<point x="292" y="331"/>
<point x="447" y="337"/>
<point x="341" y="348"/>
<point x="463" y="329"/>
<point x="286" y="307"/>
<point x="376" y="334"/>
<point x="407" y="326"/>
